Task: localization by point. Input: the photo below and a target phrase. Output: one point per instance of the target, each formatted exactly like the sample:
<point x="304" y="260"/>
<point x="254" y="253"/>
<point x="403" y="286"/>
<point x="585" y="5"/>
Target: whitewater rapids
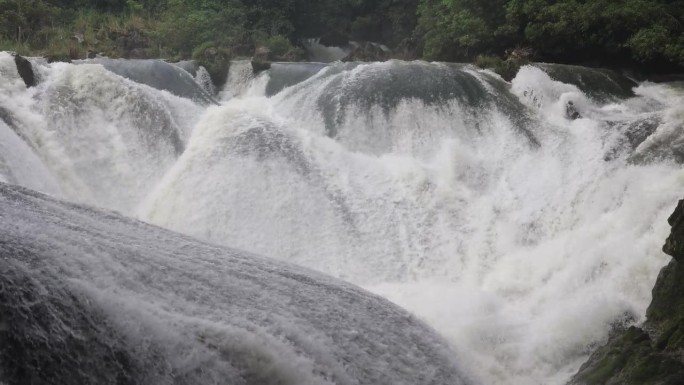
<point x="519" y="234"/>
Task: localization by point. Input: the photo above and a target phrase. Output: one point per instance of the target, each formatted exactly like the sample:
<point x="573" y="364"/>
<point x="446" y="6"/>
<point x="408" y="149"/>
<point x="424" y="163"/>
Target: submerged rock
<point x="654" y="352"/>
<point x="91" y="297"/>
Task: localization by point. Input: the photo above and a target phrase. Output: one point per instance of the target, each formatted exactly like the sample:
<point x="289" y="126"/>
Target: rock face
<point x="654" y="353"/>
<point x="674" y="245"/>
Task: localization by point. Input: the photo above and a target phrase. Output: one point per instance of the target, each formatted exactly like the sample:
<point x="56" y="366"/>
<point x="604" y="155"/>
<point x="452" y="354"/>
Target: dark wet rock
<point x="260" y="66"/>
<point x="629" y="358"/>
<point x="571" y="111"/>
<point x="598" y="83"/>
<point x="25" y="70"/>
<point x="674" y="245"/>
<point x="654" y="352"/>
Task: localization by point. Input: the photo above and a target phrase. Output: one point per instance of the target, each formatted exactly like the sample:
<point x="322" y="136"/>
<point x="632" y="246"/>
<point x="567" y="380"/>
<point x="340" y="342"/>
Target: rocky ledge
<point x="653" y="353"/>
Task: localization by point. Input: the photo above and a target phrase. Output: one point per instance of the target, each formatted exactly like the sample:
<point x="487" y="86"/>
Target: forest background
<point x="643" y="35"/>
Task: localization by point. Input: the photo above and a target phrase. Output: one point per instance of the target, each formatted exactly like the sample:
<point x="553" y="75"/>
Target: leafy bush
<point x="278" y="45"/>
<point x="507" y="69"/>
<point x="607" y="32"/>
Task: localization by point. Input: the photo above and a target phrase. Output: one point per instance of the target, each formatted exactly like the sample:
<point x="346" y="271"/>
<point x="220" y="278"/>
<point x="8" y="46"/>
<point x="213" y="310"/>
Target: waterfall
<point x="519" y="230"/>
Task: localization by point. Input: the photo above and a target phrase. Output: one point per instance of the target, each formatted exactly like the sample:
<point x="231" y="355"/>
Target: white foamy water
<point x="106" y="140"/>
<point x="520" y="235"/>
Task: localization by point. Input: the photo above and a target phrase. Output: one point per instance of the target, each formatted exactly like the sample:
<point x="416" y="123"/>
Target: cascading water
<point x="520" y="232"/>
<point x="318" y="52"/>
<point x="105" y="139"/>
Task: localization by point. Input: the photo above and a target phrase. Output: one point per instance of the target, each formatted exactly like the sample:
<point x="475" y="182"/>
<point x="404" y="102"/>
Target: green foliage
<point x="608" y="32"/>
<point x="657" y="42"/>
<point x="278" y="45"/>
<point x="507" y="69"/>
<point x="21" y="20"/>
<point x="627" y="33"/>
<point x="461" y="29"/>
<point x="188" y="24"/>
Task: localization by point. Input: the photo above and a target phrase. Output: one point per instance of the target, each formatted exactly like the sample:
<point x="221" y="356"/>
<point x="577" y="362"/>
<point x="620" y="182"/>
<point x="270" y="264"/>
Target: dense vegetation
<point x="627" y="33"/>
<point x="601" y="32"/>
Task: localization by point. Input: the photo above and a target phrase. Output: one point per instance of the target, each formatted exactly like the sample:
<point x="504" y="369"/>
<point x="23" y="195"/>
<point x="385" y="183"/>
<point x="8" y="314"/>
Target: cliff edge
<point x="653" y="353"/>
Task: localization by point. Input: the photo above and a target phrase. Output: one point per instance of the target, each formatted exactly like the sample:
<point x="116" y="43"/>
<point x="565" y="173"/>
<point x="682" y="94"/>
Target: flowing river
<point x="521" y="220"/>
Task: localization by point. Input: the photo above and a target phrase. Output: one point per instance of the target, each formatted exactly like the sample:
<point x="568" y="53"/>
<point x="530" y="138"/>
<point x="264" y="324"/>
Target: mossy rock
<point x="654" y="354"/>
<point x="668" y="295"/>
<point x="671" y="336"/>
<point x="630" y="358"/>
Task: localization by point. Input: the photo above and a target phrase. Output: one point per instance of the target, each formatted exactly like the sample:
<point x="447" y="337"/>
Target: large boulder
<point x="654" y="352"/>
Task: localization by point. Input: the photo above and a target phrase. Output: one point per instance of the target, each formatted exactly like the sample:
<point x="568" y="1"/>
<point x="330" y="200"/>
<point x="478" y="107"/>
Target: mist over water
<point x="519" y="234"/>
